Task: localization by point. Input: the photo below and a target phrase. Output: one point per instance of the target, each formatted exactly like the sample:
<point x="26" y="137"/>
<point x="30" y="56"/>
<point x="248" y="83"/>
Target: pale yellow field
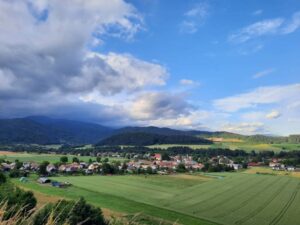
<point x="268" y="170"/>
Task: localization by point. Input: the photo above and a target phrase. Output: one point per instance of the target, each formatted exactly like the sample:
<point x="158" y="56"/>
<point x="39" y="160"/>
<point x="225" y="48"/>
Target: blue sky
<point x="213" y="65"/>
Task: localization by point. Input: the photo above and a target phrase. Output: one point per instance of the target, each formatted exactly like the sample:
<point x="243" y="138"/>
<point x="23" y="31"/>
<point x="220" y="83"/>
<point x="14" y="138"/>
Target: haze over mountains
<point x="45" y="130"/>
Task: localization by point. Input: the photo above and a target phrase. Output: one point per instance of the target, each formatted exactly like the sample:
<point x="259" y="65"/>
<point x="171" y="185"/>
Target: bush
<point x="2" y="178"/>
<point x="17" y="201"/>
<point x="70" y="212"/>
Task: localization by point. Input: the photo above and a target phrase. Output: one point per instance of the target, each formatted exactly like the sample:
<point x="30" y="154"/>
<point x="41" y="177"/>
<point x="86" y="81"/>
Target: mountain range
<point x="46" y="130"/>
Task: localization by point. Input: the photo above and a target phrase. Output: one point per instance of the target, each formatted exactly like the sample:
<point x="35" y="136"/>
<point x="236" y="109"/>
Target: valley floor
<point x="224" y="198"/>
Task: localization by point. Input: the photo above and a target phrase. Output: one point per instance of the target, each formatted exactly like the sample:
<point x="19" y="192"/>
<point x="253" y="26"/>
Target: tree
<point x="98" y="159"/>
<point x="43" y="168"/>
<point x="149" y="170"/>
<point x="181" y="168"/>
<point x="18" y="201"/>
<point x="18" y="164"/>
<point x="64" y="159"/>
<point x="86" y="212"/>
<point x="2" y="178"/>
<point x="70" y="212"/>
<point x="107" y="168"/>
<point x="105" y="160"/>
<point x="75" y="160"/>
<point x="165" y="156"/>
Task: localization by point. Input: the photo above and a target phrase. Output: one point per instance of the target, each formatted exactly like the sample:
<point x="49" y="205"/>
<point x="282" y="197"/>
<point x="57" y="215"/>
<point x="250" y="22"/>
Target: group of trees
<point x="216" y="168"/>
<point x="143" y="139"/>
<point x="17" y="202"/>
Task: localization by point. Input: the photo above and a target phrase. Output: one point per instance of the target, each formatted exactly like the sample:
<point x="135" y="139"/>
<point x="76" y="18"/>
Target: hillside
<point x="143" y="139"/>
<point x="44" y="130"/>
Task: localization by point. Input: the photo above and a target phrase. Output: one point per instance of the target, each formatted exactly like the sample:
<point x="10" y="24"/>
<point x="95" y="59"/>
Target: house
<point x="94" y="166"/>
<point x="236" y="166"/>
<point x="8" y="167"/>
<point x="83" y="165"/>
<point x="167" y="164"/>
<point x="62" y="168"/>
<point x="73" y="167"/>
<point x="274" y="164"/>
<point x="51" y="168"/>
<point x="44" y="180"/>
<point x="69" y="168"/>
<point x="197" y="166"/>
<point x="157" y="156"/>
<point x="252" y="164"/>
<point x="224" y="160"/>
<point x="290" y="168"/>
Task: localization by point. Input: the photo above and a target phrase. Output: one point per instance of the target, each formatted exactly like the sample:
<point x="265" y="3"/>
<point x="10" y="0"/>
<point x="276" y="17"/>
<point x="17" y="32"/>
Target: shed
<point x="44" y="180"/>
<point x="23" y="179"/>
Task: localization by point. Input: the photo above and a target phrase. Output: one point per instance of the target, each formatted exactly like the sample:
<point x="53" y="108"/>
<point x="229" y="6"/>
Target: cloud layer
<point x="276" y="26"/>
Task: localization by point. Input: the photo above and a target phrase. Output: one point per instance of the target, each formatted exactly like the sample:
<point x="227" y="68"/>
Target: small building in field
<point x="44" y="180"/>
<point x="23" y="179"/>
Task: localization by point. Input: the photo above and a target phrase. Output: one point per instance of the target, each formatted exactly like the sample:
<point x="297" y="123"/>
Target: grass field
<point x="237" y="145"/>
<point x="30" y="157"/>
<point x="234" y="198"/>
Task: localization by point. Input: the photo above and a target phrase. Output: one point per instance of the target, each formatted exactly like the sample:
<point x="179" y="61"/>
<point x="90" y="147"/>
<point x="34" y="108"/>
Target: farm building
<point x="60" y="184"/>
<point x="44" y="180"/>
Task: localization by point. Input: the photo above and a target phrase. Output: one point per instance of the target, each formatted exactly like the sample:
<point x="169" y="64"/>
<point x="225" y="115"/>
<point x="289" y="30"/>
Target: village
<point x="138" y="164"/>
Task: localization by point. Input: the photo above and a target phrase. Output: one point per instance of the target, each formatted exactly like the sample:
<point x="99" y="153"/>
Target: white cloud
<point x="273" y="115"/>
<point x="245" y="128"/>
<point x="257" y="12"/>
<point x="45" y="49"/>
<point x="188" y="82"/>
<point x="276" y="26"/>
<point x="265" y="27"/>
<point x="194" y="18"/>
<point x="293" y="24"/>
<point x="253" y="116"/>
<point x="158" y="105"/>
<point x="263" y="73"/>
<point x="263" y="95"/>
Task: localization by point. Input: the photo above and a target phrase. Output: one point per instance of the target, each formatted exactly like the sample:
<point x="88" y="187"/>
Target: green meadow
<point x="224" y="198"/>
<point x="52" y="158"/>
<point x="236" y="145"/>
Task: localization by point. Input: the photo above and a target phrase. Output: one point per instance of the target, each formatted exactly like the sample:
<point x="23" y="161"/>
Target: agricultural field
<point x="52" y="158"/>
<point x="234" y="145"/>
<point x="224" y="198"/>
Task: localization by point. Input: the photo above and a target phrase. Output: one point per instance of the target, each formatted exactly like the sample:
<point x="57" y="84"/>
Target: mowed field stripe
<point x="262" y="206"/>
<point x="255" y="193"/>
<point x="212" y="194"/>
<point x="206" y="191"/>
<point x="277" y="219"/>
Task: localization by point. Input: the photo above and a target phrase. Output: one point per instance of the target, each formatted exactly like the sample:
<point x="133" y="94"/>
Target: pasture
<point x="52" y="158"/>
<point x="229" y="198"/>
<point x="234" y="145"/>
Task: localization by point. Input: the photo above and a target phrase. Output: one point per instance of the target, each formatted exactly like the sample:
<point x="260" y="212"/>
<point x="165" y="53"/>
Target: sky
<point x="225" y="65"/>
